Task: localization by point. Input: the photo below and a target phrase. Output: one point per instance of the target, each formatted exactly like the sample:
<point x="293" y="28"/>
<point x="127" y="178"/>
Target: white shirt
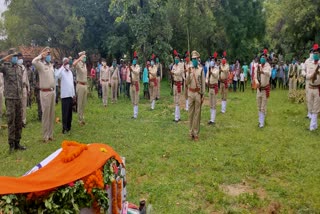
<point x="66" y="77"/>
<point x="55" y="77"/>
<point x="242" y="77"/>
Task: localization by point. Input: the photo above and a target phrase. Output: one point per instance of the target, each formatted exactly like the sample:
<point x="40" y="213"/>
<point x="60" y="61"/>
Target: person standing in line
<point x="31" y="83"/>
<point x="47" y="93"/>
<point x="105" y="81"/>
<point x="159" y="77"/>
<point x="212" y="82"/>
<point x="196" y="86"/>
<point x="13" y="89"/>
<point x="313" y="75"/>
<point x="177" y="73"/>
<point x="153" y="83"/>
<point x="304" y="73"/>
<point x="245" y="70"/>
<point x="25" y="93"/>
<point x="115" y="81"/>
<point x="223" y="78"/>
<point x="82" y="87"/>
<point x="145" y="80"/>
<point x="241" y="81"/>
<point x="262" y="78"/>
<point x="134" y="75"/>
<point x="64" y="74"/>
<point x="187" y="65"/>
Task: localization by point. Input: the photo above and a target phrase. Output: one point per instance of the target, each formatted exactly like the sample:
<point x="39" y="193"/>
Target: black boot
<point x="17" y="146"/>
<point x="11" y="147"/>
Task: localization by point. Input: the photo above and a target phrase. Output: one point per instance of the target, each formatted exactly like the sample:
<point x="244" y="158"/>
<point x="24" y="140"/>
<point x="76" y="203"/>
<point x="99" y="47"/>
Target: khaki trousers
<point x="152" y="91"/>
<point x="212" y="98"/>
<point x="114" y="90"/>
<point x="314" y="100"/>
<point x="262" y="101"/>
<point x="105" y="90"/>
<point x="47" y="100"/>
<point x="82" y="92"/>
<point x="134" y="94"/>
<point x="194" y="112"/>
<point x="292" y="84"/>
<point x="224" y="91"/>
<point x="158" y="88"/>
<point x="24" y="105"/>
<point x="177" y="95"/>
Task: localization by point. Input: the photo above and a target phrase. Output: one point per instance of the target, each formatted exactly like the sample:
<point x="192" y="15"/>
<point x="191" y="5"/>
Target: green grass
<point x="177" y="175"/>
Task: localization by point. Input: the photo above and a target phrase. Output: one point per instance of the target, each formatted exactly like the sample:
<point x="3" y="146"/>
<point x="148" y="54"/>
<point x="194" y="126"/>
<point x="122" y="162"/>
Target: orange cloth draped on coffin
<point x="62" y="170"/>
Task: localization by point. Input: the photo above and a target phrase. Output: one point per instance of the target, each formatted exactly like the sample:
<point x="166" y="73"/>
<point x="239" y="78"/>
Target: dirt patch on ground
<point x="238" y="189"/>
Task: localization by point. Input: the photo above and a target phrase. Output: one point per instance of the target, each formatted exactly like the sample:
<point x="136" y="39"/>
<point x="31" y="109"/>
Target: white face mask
<point x="104" y="63"/>
<point x="67" y="66"/>
<point x="20" y="61"/>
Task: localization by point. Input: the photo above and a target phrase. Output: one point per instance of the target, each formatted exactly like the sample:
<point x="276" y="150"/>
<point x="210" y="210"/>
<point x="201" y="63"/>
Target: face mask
<point x="211" y="64"/>
<point x="152" y="63"/>
<point x="70" y="62"/>
<point x="84" y="59"/>
<point x="134" y="62"/>
<point x="294" y="62"/>
<point x="195" y="63"/>
<point x="114" y="64"/>
<point x="157" y="60"/>
<point x="316" y="57"/>
<point x="67" y="66"/>
<point x="224" y="62"/>
<point x="14" y="60"/>
<point x="48" y="58"/>
<point x="20" y="61"/>
<point x="263" y="60"/>
<point x="176" y="61"/>
<point x="104" y="63"/>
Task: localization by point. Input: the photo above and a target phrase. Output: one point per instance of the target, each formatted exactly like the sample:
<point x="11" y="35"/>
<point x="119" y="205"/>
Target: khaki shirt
<point x="224" y="71"/>
<point x="104" y="73"/>
<point x="178" y="72"/>
<point x="114" y="73"/>
<point x="152" y="72"/>
<point x="214" y="74"/>
<point x="12" y="76"/>
<point x="81" y="71"/>
<point x="45" y="71"/>
<point x="265" y="77"/>
<point x="293" y="70"/>
<point x="25" y="79"/>
<point x="311" y="68"/>
<point x="196" y="79"/>
<point x="135" y="74"/>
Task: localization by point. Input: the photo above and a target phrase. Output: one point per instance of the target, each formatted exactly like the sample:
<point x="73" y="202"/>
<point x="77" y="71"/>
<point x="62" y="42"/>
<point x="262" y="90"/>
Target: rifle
<point x="314" y="77"/>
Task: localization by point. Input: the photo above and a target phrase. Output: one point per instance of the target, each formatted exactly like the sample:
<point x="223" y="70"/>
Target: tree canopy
<point x="115" y="28"/>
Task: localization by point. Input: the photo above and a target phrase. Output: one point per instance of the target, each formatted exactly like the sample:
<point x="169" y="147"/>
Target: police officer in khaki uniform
<point x="134" y="76"/>
<point x="159" y="76"/>
<point x="262" y="77"/>
<point x="212" y="82"/>
<point x="12" y="75"/>
<point x="313" y="75"/>
<point x="293" y="75"/>
<point x="115" y="81"/>
<point x="196" y="86"/>
<point x="47" y="93"/>
<point x="82" y="86"/>
<point x="104" y="81"/>
<point x="177" y="72"/>
<point x="223" y="78"/>
<point x="25" y="95"/>
<point x="153" y="83"/>
<point x="307" y="81"/>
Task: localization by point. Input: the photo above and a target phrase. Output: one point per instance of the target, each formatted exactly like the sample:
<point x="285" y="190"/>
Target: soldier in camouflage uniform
<point x="12" y="75"/>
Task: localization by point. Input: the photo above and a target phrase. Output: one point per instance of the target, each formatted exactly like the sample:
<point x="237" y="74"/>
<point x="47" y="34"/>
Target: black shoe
<point x="64" y="131"/>
<point x="11" y="148"/>
<point x="210" y="123"/>
<point x="17" y="146"/>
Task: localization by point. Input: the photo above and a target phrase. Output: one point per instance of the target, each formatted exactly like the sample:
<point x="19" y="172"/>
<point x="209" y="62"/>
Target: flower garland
<point x="119" y="193"/>
<point x="68" y="156"/>
<point x="94" y="180"/>
<point x="114" y="197"/>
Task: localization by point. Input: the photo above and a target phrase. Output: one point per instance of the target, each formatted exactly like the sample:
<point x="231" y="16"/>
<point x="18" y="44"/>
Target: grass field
<point x="234" y="168"/>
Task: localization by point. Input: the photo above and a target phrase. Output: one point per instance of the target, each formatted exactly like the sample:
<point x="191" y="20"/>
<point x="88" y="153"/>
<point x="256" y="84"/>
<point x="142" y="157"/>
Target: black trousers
<point x="66" y="106"/>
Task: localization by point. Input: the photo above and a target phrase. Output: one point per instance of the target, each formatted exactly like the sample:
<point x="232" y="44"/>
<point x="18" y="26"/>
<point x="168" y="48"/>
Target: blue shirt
<point x="145" y="77"/>
<point x="274" y="73"/>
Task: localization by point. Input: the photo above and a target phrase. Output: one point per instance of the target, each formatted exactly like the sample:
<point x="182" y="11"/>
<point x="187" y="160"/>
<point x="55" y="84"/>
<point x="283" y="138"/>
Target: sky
<point x="2" y="6"/>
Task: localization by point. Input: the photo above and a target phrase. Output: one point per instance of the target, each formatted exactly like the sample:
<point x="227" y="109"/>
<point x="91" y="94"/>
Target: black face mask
<point x="28" y="65"/>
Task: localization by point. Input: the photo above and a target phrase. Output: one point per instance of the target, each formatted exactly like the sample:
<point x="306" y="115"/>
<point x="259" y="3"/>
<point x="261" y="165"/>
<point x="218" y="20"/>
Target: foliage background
<point x="116" y="28"/>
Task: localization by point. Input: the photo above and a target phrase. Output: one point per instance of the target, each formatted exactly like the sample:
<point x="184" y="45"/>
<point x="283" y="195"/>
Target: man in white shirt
<point x="67" y="94"/>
